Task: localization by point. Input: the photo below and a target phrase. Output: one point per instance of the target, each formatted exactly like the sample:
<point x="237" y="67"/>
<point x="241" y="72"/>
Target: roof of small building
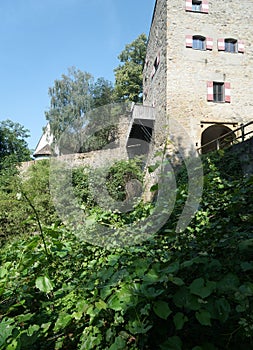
<point x="44" y="151"/>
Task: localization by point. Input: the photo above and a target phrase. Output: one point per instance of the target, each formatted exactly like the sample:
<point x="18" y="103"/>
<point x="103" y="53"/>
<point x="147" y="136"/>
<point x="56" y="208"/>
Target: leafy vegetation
<point x="75" y="97"/>
<point x="191" y="290"/>
<point x="13" y="146"/>
<point x="128" y="75"/>
<point x="18" y="192"/>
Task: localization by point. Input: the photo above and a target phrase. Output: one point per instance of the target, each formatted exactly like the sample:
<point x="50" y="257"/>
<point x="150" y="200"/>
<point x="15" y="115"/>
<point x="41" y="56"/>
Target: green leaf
<point x="152" y="168"/>
<point x="32" y="329"/>
<point x="82" y="306"/>
<point x="3" y="272"/>
<point x="119" y="344"/>
<point x="101" y="305"/>
<point x="6" y="329"/>
<point x="204" y="317"/>
<point x="177" y="281"/>
<point x="91" y="338"/>
<point x="62" y="322"/>
<point x="13" y="345"/>
<point x="138" y="327"/>
<point x="44" y="284"/>
<point x="246" y="266"/>
<point x="172" y="267"/>
<point x="246" y="289"/>
<point x="24" y="317"/>
<point x="246" y="245"/>
<point x="228" y="283"/>
<point x="172" y="343"/>
<point x="199" y="288"/>
<point x="222" y="309"/>
<point x="45" y="327"/>
<point x="183" y="298"/>
<point x="179" y="320"/>
<point x="161" y="309"/>
<point x="113" y="259"/>
<point x="154" y="274"/>
<point x="122" y="299"/>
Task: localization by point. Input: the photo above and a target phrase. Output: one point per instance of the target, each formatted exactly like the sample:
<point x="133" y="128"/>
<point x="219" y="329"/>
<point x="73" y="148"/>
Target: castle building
<point x="197" y="79"/>
<point x="199" y="69"/>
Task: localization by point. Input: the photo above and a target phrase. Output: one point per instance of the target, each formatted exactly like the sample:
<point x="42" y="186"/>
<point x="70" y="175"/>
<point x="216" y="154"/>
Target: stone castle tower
<point x="199" y="69"/>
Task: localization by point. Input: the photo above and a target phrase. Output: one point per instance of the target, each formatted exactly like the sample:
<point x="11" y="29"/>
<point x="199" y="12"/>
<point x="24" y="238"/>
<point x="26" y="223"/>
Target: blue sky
<point x="40" y="39"/>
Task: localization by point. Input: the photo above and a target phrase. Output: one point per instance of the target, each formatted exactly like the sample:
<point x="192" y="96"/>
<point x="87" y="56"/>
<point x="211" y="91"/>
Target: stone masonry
<point x="178" y="78"/>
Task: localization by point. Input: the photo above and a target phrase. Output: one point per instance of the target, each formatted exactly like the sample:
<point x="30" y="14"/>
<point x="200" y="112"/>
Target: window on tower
<point x="198" y="42"/>
<point x="155" y="65"/>
<point x="218" y="91"/>
<point x="230" y="45"/>
<point x="196" y="5"/>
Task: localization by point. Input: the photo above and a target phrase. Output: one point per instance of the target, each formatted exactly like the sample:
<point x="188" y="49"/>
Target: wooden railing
<point x="228" y="139"/>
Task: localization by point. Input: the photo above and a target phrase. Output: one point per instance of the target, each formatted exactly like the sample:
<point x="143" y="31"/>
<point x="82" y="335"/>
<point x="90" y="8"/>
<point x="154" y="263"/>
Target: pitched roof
<point x="44" y="151"/>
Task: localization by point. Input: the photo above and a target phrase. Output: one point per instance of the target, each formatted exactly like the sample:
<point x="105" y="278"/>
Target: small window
<point x="155" y="65"/>
<point x="196" y="5"/>
<point x="198" y="42"/>
<point x="230" y="45"/>
<point x="218" y="92"/>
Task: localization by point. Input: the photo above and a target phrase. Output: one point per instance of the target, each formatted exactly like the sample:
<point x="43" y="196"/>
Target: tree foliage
<point x="71" y="98"/>
<point x="74" y="95"/>
<point x="13" y="145"/>
<point x="102" y="93"/>
<point x="128" y="75"/>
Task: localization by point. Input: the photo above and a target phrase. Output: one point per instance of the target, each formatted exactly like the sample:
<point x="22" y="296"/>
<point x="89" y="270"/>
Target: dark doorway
<point x="140" y="137"/>
<point x="214" y="138"/>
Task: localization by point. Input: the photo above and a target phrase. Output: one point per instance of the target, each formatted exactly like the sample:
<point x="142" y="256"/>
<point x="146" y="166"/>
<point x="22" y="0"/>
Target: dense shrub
<point x="17" y="192"/>
<point x="191" y="290"/>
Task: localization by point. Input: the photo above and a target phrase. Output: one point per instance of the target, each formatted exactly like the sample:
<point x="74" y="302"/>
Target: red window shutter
<point x="227" y="92"/>
<point x="188" y="40"/>
<point x="221" y="45"/>
<point x="188" y="5"/>
<point x="209" y="43"/>
<point x="209" y="91"/>
<point x="205" y="6"/>
<point x="241" y="47"/>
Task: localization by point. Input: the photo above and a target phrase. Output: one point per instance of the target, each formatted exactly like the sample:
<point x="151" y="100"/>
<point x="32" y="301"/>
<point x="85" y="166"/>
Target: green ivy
<point x="187" y="291"/>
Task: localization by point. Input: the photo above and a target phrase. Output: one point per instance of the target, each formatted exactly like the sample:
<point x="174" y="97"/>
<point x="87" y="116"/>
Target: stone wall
<point x="108" y="155"/>
<point x="186" y="71"/>
<point x="155" y="79"/>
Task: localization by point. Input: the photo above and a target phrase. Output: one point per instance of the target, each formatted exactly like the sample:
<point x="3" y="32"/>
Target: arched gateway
<point x="214" y="138"/>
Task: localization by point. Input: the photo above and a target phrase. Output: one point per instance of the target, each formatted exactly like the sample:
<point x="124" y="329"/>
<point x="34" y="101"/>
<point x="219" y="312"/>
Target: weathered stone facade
<point x="178" y="85"/>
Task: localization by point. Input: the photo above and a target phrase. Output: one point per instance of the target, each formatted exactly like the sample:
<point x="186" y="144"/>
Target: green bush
<point x="16" y="213"/>
<point x="187" y="291"/>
